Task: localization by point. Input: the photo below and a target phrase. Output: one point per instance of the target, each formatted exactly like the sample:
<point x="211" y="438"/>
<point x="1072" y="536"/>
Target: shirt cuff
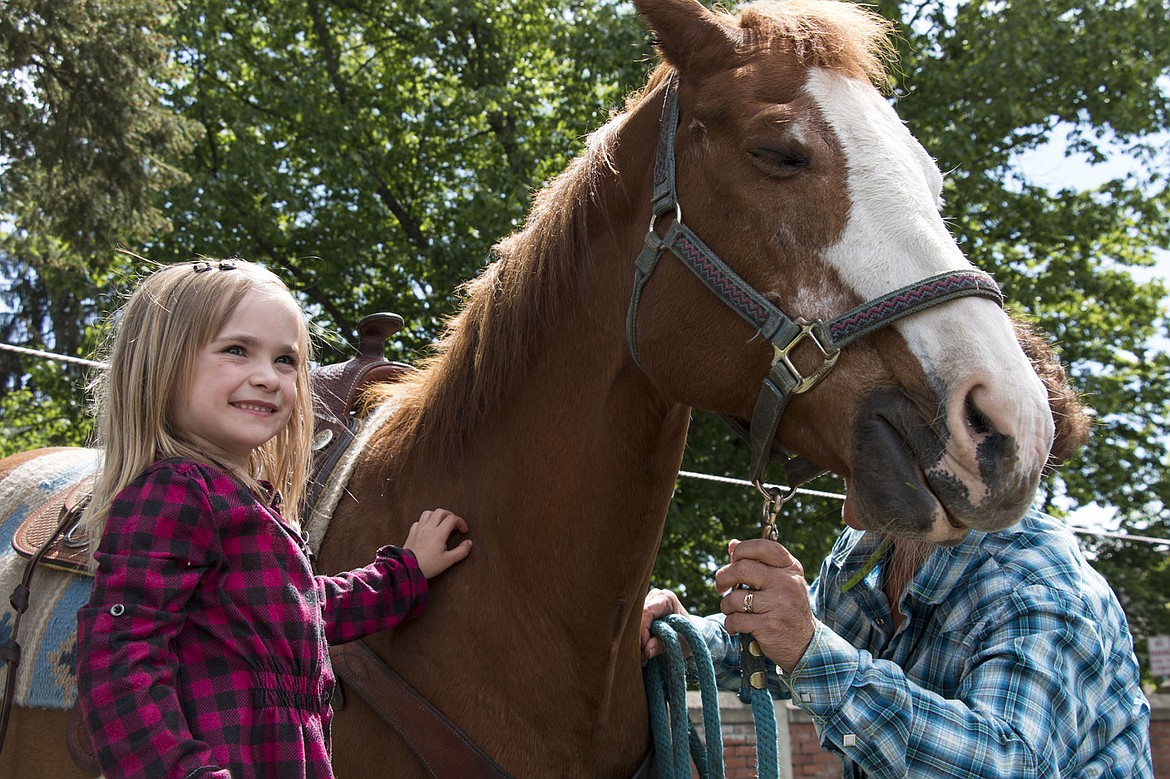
<point x="825" y="674"/>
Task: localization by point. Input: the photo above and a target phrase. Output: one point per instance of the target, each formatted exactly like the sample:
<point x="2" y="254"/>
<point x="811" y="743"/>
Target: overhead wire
<point x="688" y="474"/>
<point x="51" y="355"/>
<point x="1085" y="531"/>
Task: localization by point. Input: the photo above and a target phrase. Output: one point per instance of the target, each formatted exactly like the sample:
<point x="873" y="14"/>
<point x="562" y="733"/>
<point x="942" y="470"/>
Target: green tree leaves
<point x="86" y="142"/>
<point x="372" y="152"/>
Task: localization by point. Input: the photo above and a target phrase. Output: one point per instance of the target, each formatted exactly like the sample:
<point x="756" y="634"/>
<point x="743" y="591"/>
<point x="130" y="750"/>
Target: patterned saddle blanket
<point x="46" y="676"/>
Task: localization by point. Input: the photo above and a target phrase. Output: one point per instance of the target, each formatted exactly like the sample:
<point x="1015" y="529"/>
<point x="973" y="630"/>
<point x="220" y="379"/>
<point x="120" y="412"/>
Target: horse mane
<point x="534" y="276"/>
<point x="487" y="347"/>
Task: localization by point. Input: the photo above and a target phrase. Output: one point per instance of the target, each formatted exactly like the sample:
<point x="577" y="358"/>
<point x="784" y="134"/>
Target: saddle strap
<point x="80" y="744"/>
<point x="442" y="748"/>
<point x="10" y="651"/>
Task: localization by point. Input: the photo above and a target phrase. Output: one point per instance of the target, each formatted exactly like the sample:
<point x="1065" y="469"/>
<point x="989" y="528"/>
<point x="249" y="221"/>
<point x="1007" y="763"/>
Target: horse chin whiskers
<point x="898" y="529"/>
<point x="908" y="556"/>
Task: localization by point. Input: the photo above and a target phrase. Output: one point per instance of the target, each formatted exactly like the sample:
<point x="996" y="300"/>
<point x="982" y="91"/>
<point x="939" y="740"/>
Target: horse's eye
<point x="780" y="161"/>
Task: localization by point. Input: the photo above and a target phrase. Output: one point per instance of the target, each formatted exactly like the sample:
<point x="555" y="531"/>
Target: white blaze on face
<point x="895" y="236"/>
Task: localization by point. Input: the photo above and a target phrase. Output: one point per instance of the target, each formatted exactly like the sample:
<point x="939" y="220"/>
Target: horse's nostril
<point x="976" y="419"/>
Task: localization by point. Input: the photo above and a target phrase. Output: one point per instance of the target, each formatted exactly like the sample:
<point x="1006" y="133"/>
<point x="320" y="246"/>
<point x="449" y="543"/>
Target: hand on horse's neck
<point x="902" y="562"/>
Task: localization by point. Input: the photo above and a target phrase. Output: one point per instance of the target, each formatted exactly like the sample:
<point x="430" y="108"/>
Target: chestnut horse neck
<point x="784" y="333"/>
<point x="533" y="424"/>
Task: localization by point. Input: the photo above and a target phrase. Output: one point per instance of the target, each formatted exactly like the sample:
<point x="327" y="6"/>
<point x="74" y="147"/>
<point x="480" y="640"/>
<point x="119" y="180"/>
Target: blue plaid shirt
<point x="1014" y="660"/>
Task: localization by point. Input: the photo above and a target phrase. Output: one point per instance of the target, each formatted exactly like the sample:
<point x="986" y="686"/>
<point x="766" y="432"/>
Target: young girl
<point x="203" y="650"/>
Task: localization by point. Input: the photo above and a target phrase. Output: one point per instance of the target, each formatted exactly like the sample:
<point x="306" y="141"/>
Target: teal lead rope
<point x="676" y="742"/>
<point x="675" y="738"/>
<point x="767" y="748"/>
<point x="753" y="689"/>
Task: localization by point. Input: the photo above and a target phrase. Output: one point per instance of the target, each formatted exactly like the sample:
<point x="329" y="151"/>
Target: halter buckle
<point x="828" y="358"/>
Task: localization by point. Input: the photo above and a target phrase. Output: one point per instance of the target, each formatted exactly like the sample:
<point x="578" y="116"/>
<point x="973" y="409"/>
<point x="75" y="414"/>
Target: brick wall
<point x="809" y="761"/>
<point x="801" y="756"/>
<point x="1160" y="734"/>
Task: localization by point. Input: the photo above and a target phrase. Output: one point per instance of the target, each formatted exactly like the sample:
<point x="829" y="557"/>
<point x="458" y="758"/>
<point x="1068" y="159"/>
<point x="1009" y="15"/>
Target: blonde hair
<point x="150" y="357"/>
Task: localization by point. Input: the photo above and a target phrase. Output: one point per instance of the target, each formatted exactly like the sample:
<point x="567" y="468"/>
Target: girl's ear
<point x="691" y="38"/>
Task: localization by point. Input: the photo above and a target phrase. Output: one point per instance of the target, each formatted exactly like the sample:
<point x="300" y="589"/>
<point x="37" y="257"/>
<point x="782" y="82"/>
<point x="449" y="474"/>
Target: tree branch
<point x="393" y="203"/>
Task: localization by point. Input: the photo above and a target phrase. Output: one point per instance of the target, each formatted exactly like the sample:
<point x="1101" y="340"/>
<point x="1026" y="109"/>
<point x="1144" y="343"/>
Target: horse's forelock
<point x="843" y="37"/>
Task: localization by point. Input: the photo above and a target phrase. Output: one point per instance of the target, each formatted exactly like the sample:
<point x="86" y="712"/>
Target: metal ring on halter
<point x="773" y="494"/>
<point x="677" y="216"/>
<point x="774" y="500"/>
<point x="747" y="602"/>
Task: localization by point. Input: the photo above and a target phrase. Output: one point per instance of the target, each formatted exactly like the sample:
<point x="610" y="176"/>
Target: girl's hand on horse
<point x="428" y="539"/>
<point x="778" y="613"/>
<point x="657" y="605"/>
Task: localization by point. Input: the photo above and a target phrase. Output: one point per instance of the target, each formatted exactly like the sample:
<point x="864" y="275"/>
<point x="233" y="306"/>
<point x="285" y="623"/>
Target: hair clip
<point x="204" y="265"/>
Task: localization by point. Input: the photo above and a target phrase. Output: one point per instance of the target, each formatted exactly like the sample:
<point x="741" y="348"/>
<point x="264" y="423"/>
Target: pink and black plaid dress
<point x="203" y="649"/>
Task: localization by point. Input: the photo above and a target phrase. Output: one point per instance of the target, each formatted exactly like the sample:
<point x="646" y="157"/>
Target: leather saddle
<point x="55" y="523"/>
<point x="336" y="391"/>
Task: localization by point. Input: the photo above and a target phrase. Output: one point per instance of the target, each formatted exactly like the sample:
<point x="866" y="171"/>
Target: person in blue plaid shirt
<point x="1007" y="654"/>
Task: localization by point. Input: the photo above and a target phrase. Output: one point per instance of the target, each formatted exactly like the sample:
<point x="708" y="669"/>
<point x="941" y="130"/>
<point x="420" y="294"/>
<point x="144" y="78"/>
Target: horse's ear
<point x="690" y="37"/>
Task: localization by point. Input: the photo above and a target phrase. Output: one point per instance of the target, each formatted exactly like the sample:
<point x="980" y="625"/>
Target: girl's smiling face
<point x="243" y="385"/>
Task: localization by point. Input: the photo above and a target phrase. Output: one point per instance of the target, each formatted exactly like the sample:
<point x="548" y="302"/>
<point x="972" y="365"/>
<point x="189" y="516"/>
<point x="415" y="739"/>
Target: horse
<point x="553" y="413"/>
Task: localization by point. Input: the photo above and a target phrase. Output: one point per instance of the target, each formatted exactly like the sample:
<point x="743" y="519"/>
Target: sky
<point x="1049" y="167"/>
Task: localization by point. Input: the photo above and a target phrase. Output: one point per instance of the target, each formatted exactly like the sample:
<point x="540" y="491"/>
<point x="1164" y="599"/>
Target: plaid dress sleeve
<point x="157" y="542"/>
<point x="377" y="597"/>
